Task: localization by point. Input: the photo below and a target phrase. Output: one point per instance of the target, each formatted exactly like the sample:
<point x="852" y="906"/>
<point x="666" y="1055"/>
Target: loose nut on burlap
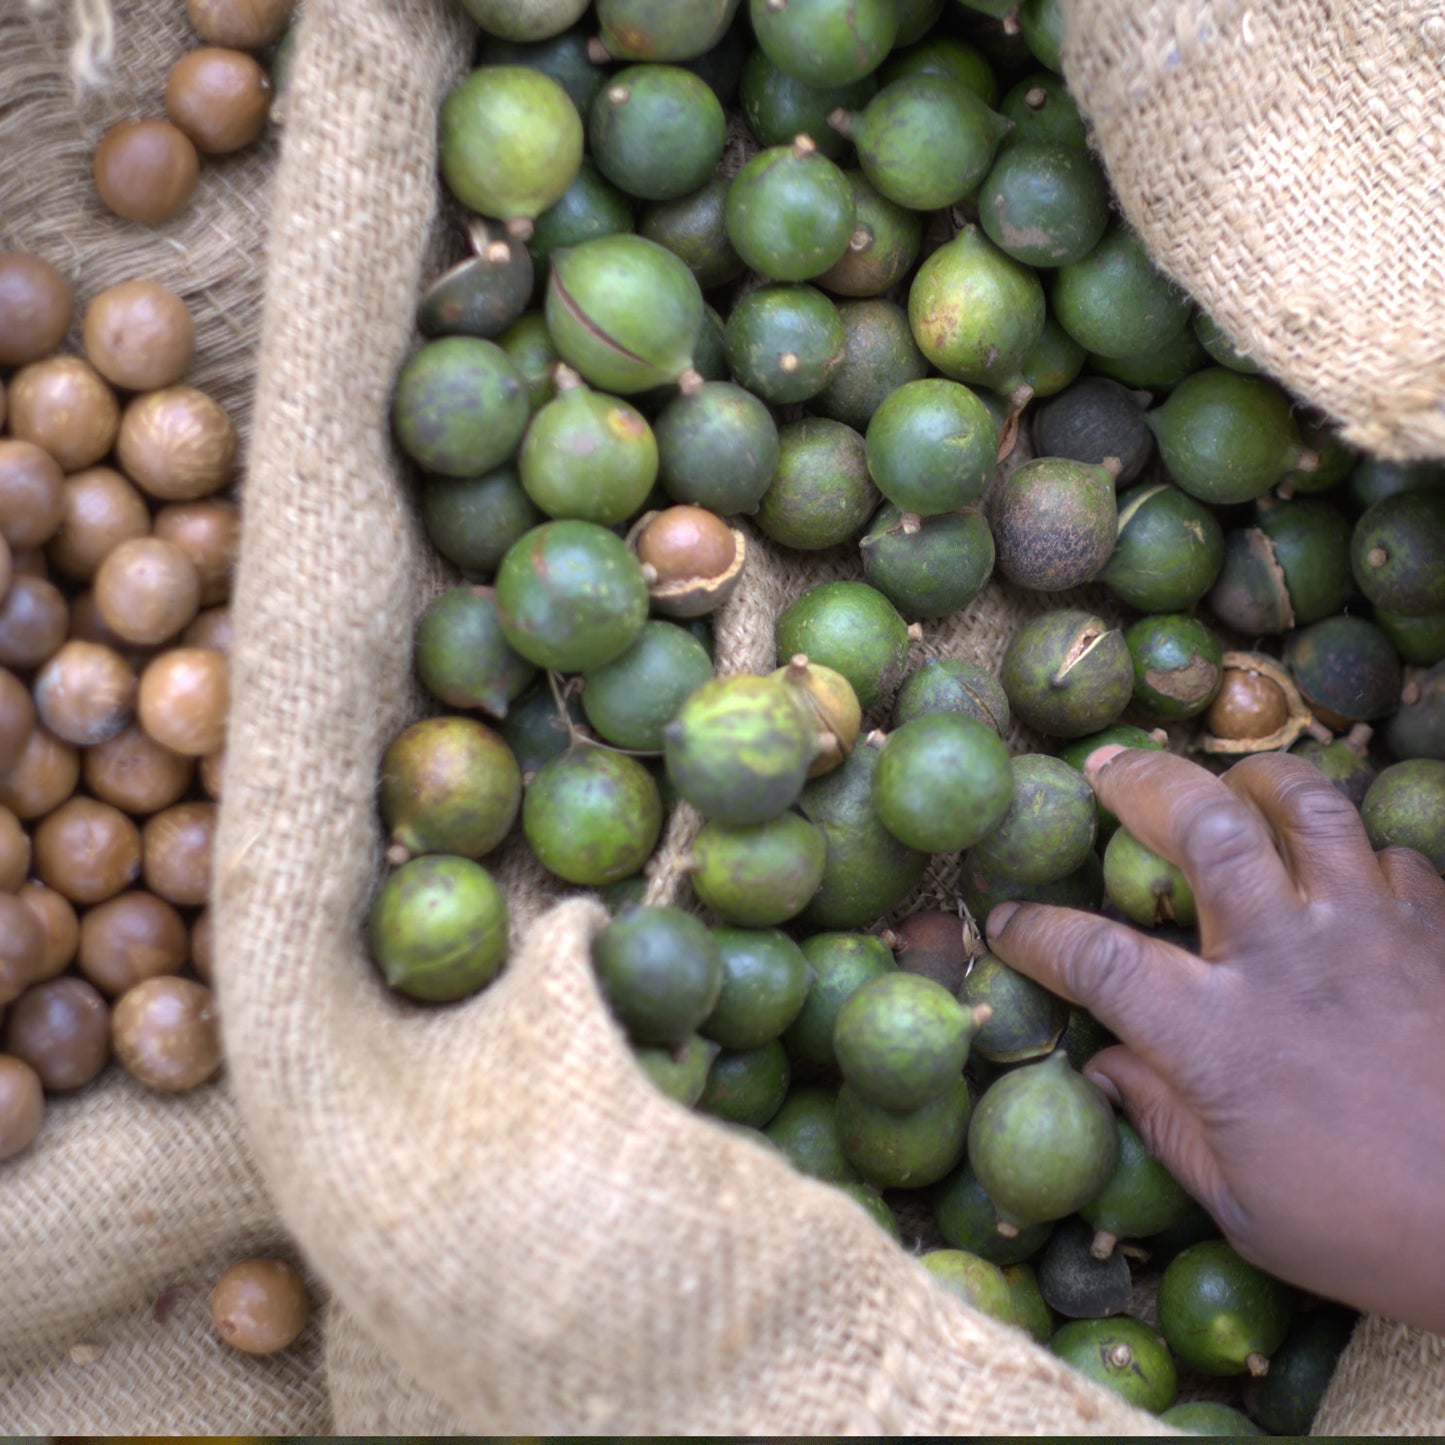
<point x="1282" y="162"/>
<point x="115" y="1223"/>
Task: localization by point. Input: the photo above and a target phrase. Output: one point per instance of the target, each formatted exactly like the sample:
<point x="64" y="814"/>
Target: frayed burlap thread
<point x="1282" y="162"/>
<point x="118" y="1220"/>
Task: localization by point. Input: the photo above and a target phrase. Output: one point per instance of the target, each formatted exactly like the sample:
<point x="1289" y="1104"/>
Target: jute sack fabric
<point x="520" y="1233"/>
<point x="1282" y="162"/>
<point x="114" y="1225"/>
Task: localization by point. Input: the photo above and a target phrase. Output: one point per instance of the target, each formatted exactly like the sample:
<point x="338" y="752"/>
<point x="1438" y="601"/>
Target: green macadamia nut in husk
<point x="852" y="628"/>
<point x="952" y="684"/>
<point x="1346" y="669"/>
<point x="635" y="696"/>
<point x="757" y="874"/>
<point x="632" y="114"/>
<point x="448" y="785"/>
<point x="825" y="42"/>
<point x="931" y="446"/>
<point x="1068" y="673"/>
<point x="1178" y="665"/>
<point x="661" y="971"/>
<point x="928" y="566"/>
<point x="438" y="928"/>
<point x="943" y="782"/>
<point x="717" y="448"/>
<point x="1054" y="523"/>
<point x="765" y="980"/>
<point x="979" y="1282"/>
<point x="1168" y="552"/>
<point x="739" y="749"/>
<point x="1405" y="808"/>
<point x="1397" y="553"/>
<point x="1048" y="828"/>
<point x="842" y="963"/>
<point x="908" y="1150"/>
<point x="1143" y="886"/>
<point x="1025" y="1020"/>
<point x="463" y="657"/>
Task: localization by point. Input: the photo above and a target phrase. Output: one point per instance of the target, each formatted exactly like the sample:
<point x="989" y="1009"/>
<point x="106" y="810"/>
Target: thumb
<point x="1168" y="1127"/>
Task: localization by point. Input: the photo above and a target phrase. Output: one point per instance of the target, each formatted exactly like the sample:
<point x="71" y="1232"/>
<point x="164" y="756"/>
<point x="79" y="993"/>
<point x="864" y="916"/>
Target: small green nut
<point x="909" y="1150"/>
<point x="952" y="684"/>
<point x="805" y="1132"/>
<point x="747" y="1086"/>
<point x="1049" y="826"/>
<point x="1068" y="673"/>
<point x="842" y="963"/>
<point x="1025" y="1021"/>
<point x="460" y="406"/>
<point x="1145" y="887"/>
<point x="1169" y="549"/>
<point x="901" y="1040"/>
<point x="821" y="494"/>
<point x="463" y="657"/>
<point x="739" y="749"/>
<point x="1405" y="808"/>
<point x="758" y="874"/>
<point x="639" y="105"/>
<point x="571" y="596"/>
<point x="1122" y="1354"/>
<point x="661" y="971"/>
<point x="635" y="696"/>
<point x="931" y="446"/>
<point x="438" y="928"/>
<point x="980" y="1282"/>
<point x="681" y="1073"/>
<point x="943" y="782"/>
<point x="1178" y="665"/>
<point x="592" y="816"/>
<point x="825" y="42"/>
<point x="765" y="981"/>
<point x="509" y="141"/>
<point x="852" y="628"/>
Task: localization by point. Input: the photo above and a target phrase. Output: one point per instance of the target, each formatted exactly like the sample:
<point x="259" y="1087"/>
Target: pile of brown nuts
<point x="117" y="540"/>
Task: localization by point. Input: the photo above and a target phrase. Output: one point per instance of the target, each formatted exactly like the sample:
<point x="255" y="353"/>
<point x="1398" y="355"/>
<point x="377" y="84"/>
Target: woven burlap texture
<point x="1282" y="162"/>
<point x="121" y="1216"/>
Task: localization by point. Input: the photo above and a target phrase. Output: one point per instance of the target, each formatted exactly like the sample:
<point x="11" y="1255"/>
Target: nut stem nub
<point x="520" y="228"/>
<point x="1103" y="1244"/>
<point x="803" y="146"/>
<point x="1258" y="1364"/>
<point x="1007" y="1229"/>
<point x="841" y="120"/>
<point x="689" y="380"/>
<point x="397" y="854"/>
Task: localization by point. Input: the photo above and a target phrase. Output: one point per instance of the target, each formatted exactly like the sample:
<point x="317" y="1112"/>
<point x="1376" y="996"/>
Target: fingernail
<point x="1106" y="1086"/>
<point x="1100" y="756"/>
<point x="998" y="920"/>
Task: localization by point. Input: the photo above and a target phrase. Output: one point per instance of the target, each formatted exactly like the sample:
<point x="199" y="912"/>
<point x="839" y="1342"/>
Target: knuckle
<point x="1101" y="962"/>
<point x="1219" y="835"/>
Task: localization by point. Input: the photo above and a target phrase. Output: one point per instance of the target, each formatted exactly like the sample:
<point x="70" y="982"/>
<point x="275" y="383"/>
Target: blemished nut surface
<point x="183" y="700"/>
<point x="85" y="693"/>
<point x="139" y="335"/>
<point x="166" y="1035"/>
<point x="61" y="1028"/>
<point x="259" y="1305"/>
<point x="64" y="405"/>
<point x="147" y="590"/>
<point x="137" y="774"/>
<point x="177" y="444"/>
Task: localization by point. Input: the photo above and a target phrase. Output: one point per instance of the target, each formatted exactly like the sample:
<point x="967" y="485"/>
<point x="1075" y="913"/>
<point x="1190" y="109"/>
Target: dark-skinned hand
<point x="1292" y="1075"/>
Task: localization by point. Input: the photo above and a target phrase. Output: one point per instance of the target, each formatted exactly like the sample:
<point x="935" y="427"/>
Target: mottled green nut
<point x="635" y="110"/>
<point x="790" y="212"/>
<point x="1125" y="735"/>
<point x="661" y="971"/>
<point x="821" y="494"/>
<point x="592" y="816"/>
<point x="739" y="749"/>
<point x="805" y="1129"/>
<point x="636" y="695"/>
<point x="758" y="874"/>
<point x="765" y="980"/>
<point x="943" y="782"/>
<point x="1178" y="665"/>
<point x="901" y="1040"/>
<point x="448" y="785"/>
<point x="1068" y="673"/>
<point x="472" y="521"/>
<point x="904" y="1150"/>
<point x="1220" y="1314"/>
<point x="825" y="42"/>
<point x="1141" y="1197"/>
<point x="460" y="406"/>
<point x="1405" y="808"/>
<point x="1031" y="1311"/>
<point x="1397" y="553"/>
<point x="463" y="657"/>
<point x="842" y="963"/>
<point x="438" y="928"/>
<point x="571" y="596"/>
<point x="1025" y="1020"/>
<point x="747" y="1087"/>
<point x="952" y="684"/>
<point x="968" y="1219"/>
<point x="681" y="1073"/>
<point x="1122" y="1354"/>
<point x="931" y="446"/>
<point x="852" y="628"/>
<point x="1209" y="1417"/>
<point x="978" y="1281"/>
<point x="784" y="343"/>
<point x="1145" y="887"/>
<point x="1169" y="549"/>
<point x="1050" y="824"/>
<point x="717" y="448"/>
<point x="1042" y="1142"/>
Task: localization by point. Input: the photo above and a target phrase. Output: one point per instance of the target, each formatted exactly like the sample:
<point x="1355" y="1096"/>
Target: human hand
<point x="1291" y="1076"/>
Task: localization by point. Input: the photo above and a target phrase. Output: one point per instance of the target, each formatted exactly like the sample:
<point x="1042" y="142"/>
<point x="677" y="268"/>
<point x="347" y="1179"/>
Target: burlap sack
<point x="1283" y="163"/>
<point x="114" y="1225"/>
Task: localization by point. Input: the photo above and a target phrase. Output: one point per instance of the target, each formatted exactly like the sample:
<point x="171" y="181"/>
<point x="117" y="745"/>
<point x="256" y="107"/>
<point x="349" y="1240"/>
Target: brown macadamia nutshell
<point x="220" y="98"/>
<point x="87" y="625"/>
<point x="260" y="1305"/>
<point x="85" y="693"/>
<point x="65" y="406"/>
<point x="58" y="922"/>
<point x="213" y="773"/>
<point x="42" y="777"/>
<point x="32" y="493"/>
<point x="100" y="509"/>
<point x="14" y="852"/>
<point x="147" y="590"/>
<point x="17" y="718"/>
<point x="208" y="532"/>
<point x="35" y="308"/>
<point x="22" y="948"/>
<point x="212" y="628"/>
<point x="203" y="946"/>
<point x="183" y="699"/>
<point x="87" y="850"/>
<point x="139" y="335"/>
<point x="245" y="24"/>
<point x="145" y="170"/>
<point x="1249" y="705"/>
<point x="177" y="844"/>
<point x="176" y="444"/>
<point x="33" y="622"/>
<point x="22" y="1105"/>
<point x="136" y="774"/>
<point x="61" y="1028"/>
<point x="130" y="938"/>
<point x="166" y="1035"/>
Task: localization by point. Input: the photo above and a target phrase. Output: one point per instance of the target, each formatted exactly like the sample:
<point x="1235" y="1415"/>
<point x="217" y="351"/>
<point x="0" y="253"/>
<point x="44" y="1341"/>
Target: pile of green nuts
<point x="823" y="265"/>
<point x="117" y="538"/>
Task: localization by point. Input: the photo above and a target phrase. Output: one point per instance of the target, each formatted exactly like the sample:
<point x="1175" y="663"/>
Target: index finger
<point x="1222" y="845"/>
